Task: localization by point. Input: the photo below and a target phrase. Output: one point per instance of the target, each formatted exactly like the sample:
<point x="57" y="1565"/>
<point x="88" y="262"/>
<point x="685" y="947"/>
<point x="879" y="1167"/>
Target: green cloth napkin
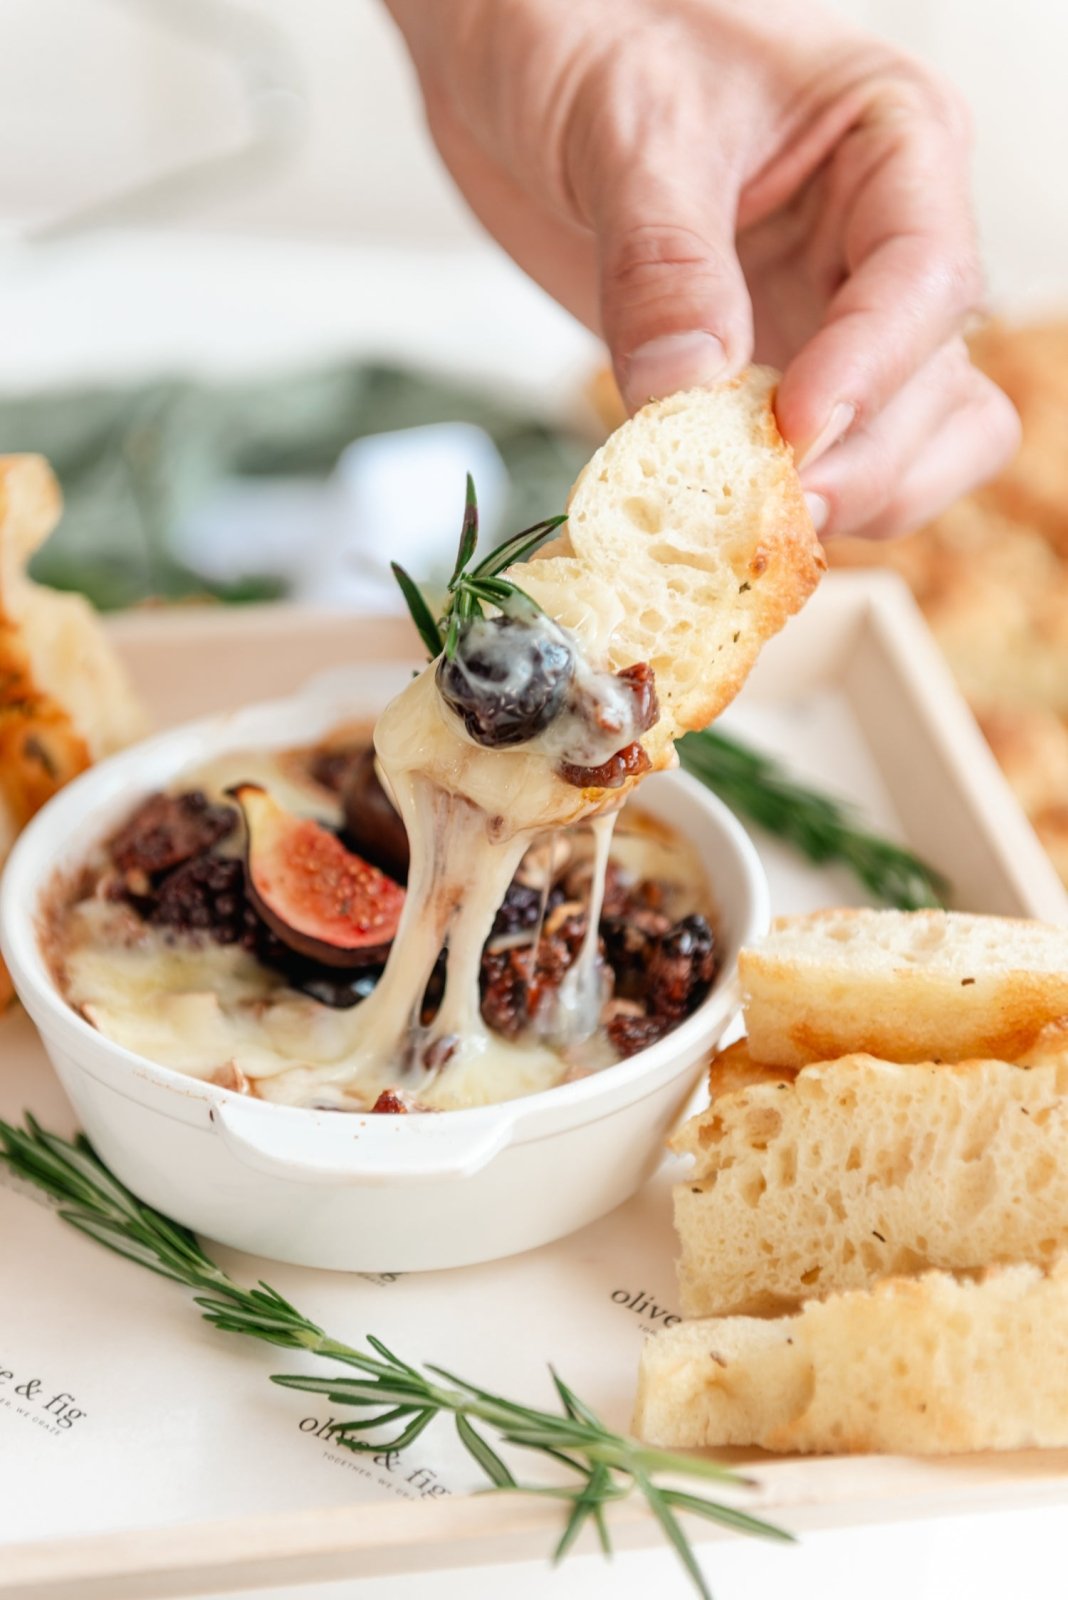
<point x="134" y="460"/>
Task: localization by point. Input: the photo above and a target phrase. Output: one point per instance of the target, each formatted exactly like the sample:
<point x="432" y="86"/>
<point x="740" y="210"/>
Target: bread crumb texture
<point x="861" y="1169"/>
<point x="926" y="1366"/>
<point x="907" y="986"/>
<point x="693" y="510"/>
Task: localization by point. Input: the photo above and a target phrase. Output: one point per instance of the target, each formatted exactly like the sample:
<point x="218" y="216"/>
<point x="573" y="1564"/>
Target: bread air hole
<point x="644" y="514"/>
<point x="1041" y="1172"/>
<point x="707" y="559"/>
<point x="787" y="1166"/>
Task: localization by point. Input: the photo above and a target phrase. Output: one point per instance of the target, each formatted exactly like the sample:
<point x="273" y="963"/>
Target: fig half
<point x="319" y="898"/>
<point x="372" y="822"/>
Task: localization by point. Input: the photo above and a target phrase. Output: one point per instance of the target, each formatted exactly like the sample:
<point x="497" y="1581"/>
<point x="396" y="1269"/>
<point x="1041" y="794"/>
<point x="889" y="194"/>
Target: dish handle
<point x="356" y="1149"/>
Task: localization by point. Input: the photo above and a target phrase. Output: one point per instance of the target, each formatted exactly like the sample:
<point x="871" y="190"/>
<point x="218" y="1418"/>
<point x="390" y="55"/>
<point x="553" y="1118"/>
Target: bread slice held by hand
<point x="904" y="985"/>
<point x="688" y="545"/>
<point x="693" y="515"/>
<point x="927" y="1366"/>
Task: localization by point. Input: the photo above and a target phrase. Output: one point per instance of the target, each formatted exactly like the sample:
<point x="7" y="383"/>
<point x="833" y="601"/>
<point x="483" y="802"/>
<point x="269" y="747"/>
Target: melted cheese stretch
<point x="470" y="815"/>
<point x="209" y="1010"/>
<point x="468" y="829"/>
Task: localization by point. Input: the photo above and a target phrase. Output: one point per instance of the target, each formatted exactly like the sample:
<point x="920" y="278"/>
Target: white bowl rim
<point x="25" y="877"/>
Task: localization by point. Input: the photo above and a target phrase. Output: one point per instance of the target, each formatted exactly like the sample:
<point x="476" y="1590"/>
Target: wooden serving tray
<point x="186" y="1473"/>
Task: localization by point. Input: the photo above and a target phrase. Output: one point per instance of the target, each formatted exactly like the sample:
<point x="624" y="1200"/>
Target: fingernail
<point x="674" y="361"/>
<point x="838" y="423"/>
<point x="818" y="509"/>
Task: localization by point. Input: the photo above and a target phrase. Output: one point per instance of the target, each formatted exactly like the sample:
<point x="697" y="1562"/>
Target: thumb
<point x="675" y="310"/>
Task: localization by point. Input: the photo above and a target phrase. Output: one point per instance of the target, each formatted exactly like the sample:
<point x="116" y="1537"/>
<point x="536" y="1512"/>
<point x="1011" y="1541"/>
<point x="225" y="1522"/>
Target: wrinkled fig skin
<point x="373" y="827"/>
<point x="321" y="900"/>
<point x="508" y="679"/>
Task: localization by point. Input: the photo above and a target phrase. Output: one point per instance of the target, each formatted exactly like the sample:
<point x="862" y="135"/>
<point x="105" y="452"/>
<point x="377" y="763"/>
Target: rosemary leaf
<point x="517" y="548"/>
<point x="365" y="1424"/>
<point x="821" y="828"/>
<point x="669" y="1522"/>
<point x="401" y="1441"/>
<point x="728" y="1516"/>
<point x="572" y="1404"/>
<point x="487" y="1458"/>
<point x="585" y="1504"/>
<point x="469" y="588"/>
<point x="468" y="532"/>
<point x="422" y="616"/>
<point x="600" y="1522"/>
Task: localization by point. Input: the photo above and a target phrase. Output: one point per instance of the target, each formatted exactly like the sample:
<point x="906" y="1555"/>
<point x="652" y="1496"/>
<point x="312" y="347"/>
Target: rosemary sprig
<point x="822" y="828"/>
<point x="470" y="588"/>
<point x="604" y="1465"/>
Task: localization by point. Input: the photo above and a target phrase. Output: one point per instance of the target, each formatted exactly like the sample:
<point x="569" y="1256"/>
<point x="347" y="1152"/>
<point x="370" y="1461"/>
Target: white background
<point x="96" y="93"/>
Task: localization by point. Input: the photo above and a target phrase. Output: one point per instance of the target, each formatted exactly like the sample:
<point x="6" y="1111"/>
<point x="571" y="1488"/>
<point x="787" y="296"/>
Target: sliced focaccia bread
<point x="925" y="1366"/>
<point x="905" y="985"/>
<point x="859" y="1169"/>
<point x="64" y="698"/>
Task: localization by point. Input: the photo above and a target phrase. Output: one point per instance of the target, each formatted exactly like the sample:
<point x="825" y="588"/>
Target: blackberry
<point x="681" y="968"/>
<point x="167" y="829"/>
<point x="205" y="895"/>
<point x="631" y="939"/>
<point x="520" y="910"/>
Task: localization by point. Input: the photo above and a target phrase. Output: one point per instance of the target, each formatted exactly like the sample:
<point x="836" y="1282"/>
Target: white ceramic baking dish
<point x="330" y="1189"/>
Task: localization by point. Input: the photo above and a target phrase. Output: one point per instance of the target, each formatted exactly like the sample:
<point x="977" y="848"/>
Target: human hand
<point x="708" y="182"/>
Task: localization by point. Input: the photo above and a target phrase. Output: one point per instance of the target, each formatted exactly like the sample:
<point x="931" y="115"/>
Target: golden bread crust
<point x="906" y="986"/>
<point x="64" y="700"/>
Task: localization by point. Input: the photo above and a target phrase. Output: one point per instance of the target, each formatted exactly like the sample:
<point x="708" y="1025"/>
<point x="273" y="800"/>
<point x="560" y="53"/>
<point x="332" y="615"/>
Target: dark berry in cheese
<point x="508" y="679"/>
